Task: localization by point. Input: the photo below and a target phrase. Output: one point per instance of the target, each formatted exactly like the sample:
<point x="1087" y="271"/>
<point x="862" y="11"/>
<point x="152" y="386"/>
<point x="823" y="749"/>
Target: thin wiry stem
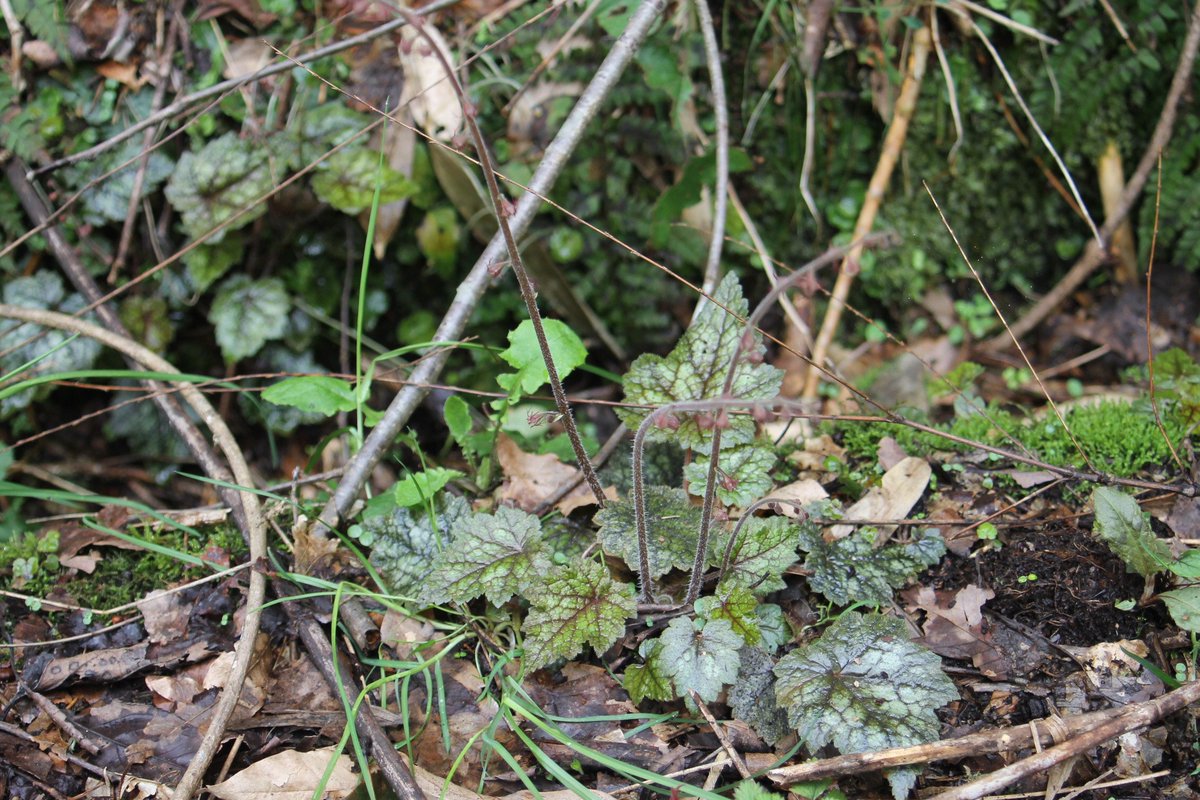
<point x="712" y="57"/>
<point x="951" y="93"/>
<point x="1149" y="339"/>
<point x="1000" y="315"/>
<point x="889" y="156"/>
<point x="503" y="209"/>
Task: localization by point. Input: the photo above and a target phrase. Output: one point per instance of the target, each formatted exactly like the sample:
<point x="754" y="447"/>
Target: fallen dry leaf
<point x="890" y="453"/>
<point x="530" y="479"/>
<point x="290" y="775"/>
<point x="900" y="489"/>
<point x="164" y="616"/>
<point x="954" y="624"/>
<point x="801" y="492"/>
<point x="429" y="96"/>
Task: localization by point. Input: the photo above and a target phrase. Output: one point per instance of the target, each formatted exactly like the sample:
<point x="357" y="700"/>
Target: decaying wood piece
<point x="1084" y="731"/>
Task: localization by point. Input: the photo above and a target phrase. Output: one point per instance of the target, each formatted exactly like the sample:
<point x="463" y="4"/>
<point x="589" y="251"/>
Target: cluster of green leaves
<point x="1122" y="526"/>
<point x="825" y="689"/>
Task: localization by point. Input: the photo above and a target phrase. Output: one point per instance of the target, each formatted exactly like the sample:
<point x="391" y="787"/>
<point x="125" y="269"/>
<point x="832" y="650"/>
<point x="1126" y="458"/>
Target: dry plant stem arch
<point x="501" y="207"/>
<point x="244" y="649"/>
<point x="475" y="284"/>
<point x="1093" y="256"/>
<point x="893" y="143"/>
<point x="31" y="200"/>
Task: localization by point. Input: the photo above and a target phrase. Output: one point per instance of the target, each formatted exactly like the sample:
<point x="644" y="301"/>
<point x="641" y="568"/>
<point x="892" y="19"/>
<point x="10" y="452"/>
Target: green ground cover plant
<point x="272" y="210"/>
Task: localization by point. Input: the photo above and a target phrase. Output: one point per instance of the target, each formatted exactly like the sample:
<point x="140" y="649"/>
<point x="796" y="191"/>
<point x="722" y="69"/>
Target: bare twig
<point x="16" y="37"/>
<point x="1093" y="255"/>
<point x="726" y="745"/>
<point x="60" y="718"/>
<point x="768" y="263"/>
<point x="473" y="286"/>
<point x="139" y="179"/>
<point x="1033" y="123"/>
<point x="251" y="512"/>
<point x="906" y="104"/>
<point x="712" y="58"/>
<point x="606" y="450"/>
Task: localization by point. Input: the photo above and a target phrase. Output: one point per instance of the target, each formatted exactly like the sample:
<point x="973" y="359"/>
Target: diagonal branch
<point x="475" y="284"/>
<point x="1093" y="256"/>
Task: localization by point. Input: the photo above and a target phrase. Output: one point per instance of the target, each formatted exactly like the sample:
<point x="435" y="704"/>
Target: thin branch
<point x="951" y="91"/>
<point x="893" y="143"/>
<point x="472" y="287"/>
<point x="712" y="58"/>
<point x="789" y="309"/>
<point x="602" y="455"/>
<point x="719" y="731"/>
<point x="1093" y="255"/>
<point x="16" y="38"/>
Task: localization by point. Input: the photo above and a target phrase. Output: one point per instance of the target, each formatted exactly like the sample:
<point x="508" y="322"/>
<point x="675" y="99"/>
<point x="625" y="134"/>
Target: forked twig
<point x="983" y="742"/>
<point x="1138" y="715"/>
